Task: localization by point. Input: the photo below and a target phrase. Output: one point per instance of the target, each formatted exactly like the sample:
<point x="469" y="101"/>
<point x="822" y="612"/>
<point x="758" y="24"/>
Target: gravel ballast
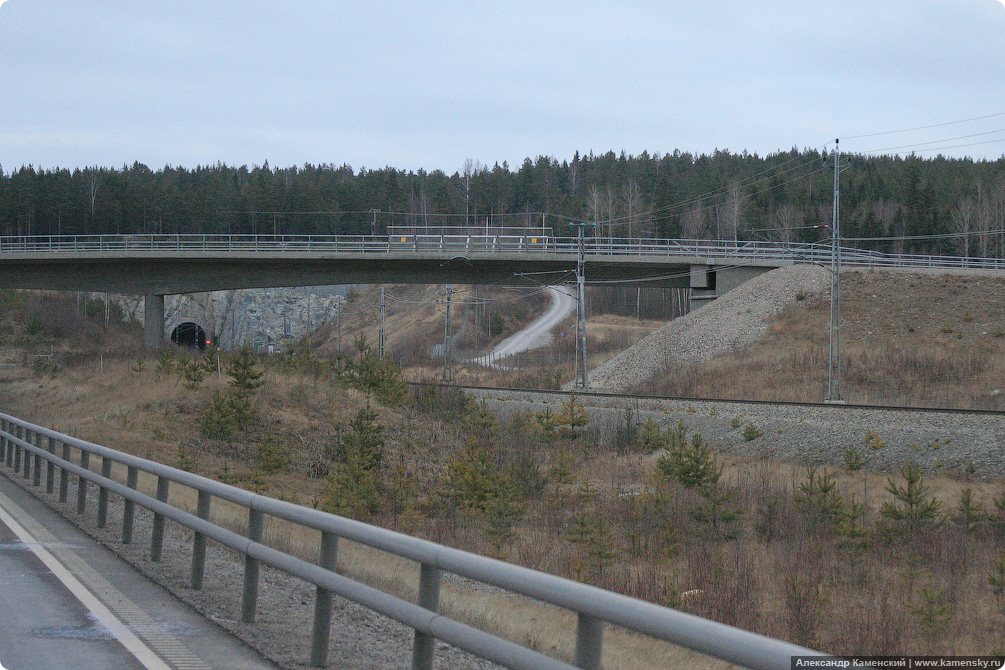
<point x="966" y="444"/>
<point x="727" y="324"/>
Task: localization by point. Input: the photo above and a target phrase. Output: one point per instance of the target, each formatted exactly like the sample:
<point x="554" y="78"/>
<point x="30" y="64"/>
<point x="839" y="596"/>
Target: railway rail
<point x="657" y="398"/>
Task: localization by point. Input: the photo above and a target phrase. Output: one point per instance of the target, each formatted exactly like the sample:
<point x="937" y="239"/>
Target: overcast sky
<point x="422" y="84"/>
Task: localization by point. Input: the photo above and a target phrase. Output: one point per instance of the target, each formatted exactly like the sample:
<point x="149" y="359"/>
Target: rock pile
<point x="727" y="324"/>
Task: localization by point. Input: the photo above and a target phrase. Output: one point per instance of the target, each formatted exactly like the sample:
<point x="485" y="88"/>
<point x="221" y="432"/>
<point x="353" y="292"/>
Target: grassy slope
<point x="936" y="340"/>
<point x="785" y="574"/>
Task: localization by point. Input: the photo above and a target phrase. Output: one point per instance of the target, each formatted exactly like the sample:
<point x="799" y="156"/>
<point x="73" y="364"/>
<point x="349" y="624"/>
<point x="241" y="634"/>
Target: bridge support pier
<point x="153" y="322"/>
<point x="709" y="282"/>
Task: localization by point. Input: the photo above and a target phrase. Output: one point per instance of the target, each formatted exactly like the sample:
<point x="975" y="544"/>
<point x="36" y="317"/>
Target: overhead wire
<point x="947" y="139"/>
<point x="934" y="125"/>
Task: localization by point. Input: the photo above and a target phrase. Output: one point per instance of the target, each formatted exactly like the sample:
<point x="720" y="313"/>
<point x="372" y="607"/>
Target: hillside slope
<point x="726" y="325"/>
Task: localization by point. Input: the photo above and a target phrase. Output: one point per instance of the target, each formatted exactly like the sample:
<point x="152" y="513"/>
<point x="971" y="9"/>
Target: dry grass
<point x="659" y="552"/>
<point x="784" y="574"/>
<point x="907" y="339"/>
<point x="525" y="621"/>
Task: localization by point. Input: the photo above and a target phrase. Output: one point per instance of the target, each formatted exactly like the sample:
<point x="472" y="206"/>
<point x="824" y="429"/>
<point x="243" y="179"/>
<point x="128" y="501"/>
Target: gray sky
<point x="422" y="84"/>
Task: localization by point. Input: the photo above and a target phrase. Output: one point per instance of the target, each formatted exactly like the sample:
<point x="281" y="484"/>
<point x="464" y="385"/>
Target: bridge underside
<point x="144" y="275"/>
<point x="155" y="275"/>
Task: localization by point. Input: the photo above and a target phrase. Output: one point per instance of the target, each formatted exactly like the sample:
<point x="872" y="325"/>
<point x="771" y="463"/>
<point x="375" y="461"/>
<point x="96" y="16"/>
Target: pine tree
<point x="911" y="511"/>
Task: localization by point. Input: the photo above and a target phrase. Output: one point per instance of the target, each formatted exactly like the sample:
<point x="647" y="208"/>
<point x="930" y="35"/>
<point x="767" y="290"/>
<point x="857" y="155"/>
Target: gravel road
<point x="538" y="333"/>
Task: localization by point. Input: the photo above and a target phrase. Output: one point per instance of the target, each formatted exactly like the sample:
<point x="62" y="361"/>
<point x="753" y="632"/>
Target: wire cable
<point x="934" y="125"/>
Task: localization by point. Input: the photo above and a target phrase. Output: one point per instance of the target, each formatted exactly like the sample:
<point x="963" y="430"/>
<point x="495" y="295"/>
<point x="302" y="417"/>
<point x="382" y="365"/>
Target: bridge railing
<point x="24" y="447"/>
<point x="505" y="242"/>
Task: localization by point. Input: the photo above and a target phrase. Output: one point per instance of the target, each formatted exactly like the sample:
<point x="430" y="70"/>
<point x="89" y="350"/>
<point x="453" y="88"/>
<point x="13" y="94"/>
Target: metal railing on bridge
<point x="717" y="251"/>
<point x="25" y="446"/>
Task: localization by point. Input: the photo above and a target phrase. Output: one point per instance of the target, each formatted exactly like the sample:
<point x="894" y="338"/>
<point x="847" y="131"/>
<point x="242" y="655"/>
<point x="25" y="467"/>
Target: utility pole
<point x="448" y="373"/>
<point x="834" y="339"/>
<point x="381" y="338"/>
<point x="582" y="380"/>
<point x="373" y="225"/>
<point x="339" y="301"/>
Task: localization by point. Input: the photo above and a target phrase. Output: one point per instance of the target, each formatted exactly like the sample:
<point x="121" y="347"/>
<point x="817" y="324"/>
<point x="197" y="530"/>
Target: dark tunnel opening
<point x="190" y="335"/>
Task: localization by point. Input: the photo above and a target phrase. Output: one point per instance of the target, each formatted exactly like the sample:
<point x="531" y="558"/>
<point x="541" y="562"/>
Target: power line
<point x="934" y="125"/>
<point x="953" y="146"/>
<point x="948" y="139"/>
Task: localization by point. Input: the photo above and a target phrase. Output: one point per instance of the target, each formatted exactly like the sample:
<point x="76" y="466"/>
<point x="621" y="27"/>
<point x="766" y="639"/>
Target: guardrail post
<point x="589" y="642"/>
<point x="28" y="437"/>
<point x="50" y="468"/>
<point x="85" y="458"/>
<point x="64" y="476"/>
<point x="128" y="506"/>
<point x="37" y="467"/>
<point x="249" y="599"/>
<point x="323" y="602"/>
<point x="3" y="440"/>
<point x="157" y="532"/>
<point x="106" y="471"/>
<point x="20" y="452"/>
<point x="429" y="597"/>
<point x="199" y="543"/>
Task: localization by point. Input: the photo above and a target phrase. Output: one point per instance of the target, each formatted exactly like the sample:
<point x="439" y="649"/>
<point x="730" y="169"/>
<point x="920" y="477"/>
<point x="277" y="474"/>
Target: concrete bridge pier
<point x="153" y="322"/>
<point x="708" y="282"/>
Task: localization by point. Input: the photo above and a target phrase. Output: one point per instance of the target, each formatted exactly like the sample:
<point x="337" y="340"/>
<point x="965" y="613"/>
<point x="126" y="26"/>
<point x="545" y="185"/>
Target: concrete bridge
<point x="159" y="265"/>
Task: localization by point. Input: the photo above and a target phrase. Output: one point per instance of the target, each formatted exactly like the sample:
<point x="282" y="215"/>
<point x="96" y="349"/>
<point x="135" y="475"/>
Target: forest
<point x="888" y="203"/>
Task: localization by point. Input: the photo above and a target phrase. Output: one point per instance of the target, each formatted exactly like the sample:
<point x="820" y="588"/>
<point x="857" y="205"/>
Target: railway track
<point x="734" y="401"/>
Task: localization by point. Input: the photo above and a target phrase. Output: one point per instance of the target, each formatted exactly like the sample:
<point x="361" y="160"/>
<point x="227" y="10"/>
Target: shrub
<point x="572" y="416"/>
<point x="911" y="511"/>
<point x="873" y="441"/>
<point x="379" y="376"/>
<point x="852" y="458"/>
<point x="818" y="497"/>
<point x="692" y="464"/>
<point x="970" y="515"/>
<point x="354" y="484"/>
<point x="269" y="457"/>
<point x="751" y="432"/>
<point x="473" y="482"/>
<point x="218" y="421"/>
<point x="192" y="372"/>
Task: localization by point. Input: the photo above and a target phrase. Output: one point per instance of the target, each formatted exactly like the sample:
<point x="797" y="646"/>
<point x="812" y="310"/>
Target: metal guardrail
<point x="24" y="447"/>
<point x="527" y="242"/>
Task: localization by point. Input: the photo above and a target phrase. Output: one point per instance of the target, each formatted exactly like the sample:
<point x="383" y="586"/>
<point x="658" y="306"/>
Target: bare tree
<point x="998" y="212"/>
<point x="729" y="218"/>
<point x="92" y="183"/>
<point x="635" y="214"/>
<point x="601" y="204"/>
<point x="963" y="215"/>
<point x="694" y="223"/>
<point x="984" y="220"/>
<point x="574" y="174"/>
<point x="471" y="168"/>
<point x="783" y="223"/>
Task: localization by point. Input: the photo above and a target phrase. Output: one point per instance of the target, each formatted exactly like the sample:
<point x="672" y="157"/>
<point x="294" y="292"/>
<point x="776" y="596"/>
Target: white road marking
<point x="135" y="646"/>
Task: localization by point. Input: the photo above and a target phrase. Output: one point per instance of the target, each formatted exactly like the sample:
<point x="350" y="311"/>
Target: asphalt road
<point x="68" y="602"/>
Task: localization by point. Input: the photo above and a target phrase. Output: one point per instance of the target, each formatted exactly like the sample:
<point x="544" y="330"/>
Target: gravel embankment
<point x="725" y="325"/>
<point x="966" y="444"/>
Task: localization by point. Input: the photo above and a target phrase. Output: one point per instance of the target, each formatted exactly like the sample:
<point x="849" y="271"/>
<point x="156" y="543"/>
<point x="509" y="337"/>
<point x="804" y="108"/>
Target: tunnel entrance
<point x="191" y="335"/>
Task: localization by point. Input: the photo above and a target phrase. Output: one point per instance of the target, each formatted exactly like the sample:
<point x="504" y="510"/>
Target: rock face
<point x="258" y="317"/>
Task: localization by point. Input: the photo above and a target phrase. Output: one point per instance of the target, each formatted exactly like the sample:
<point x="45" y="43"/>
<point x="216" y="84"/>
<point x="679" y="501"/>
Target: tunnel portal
<point x="189" y="334"/>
